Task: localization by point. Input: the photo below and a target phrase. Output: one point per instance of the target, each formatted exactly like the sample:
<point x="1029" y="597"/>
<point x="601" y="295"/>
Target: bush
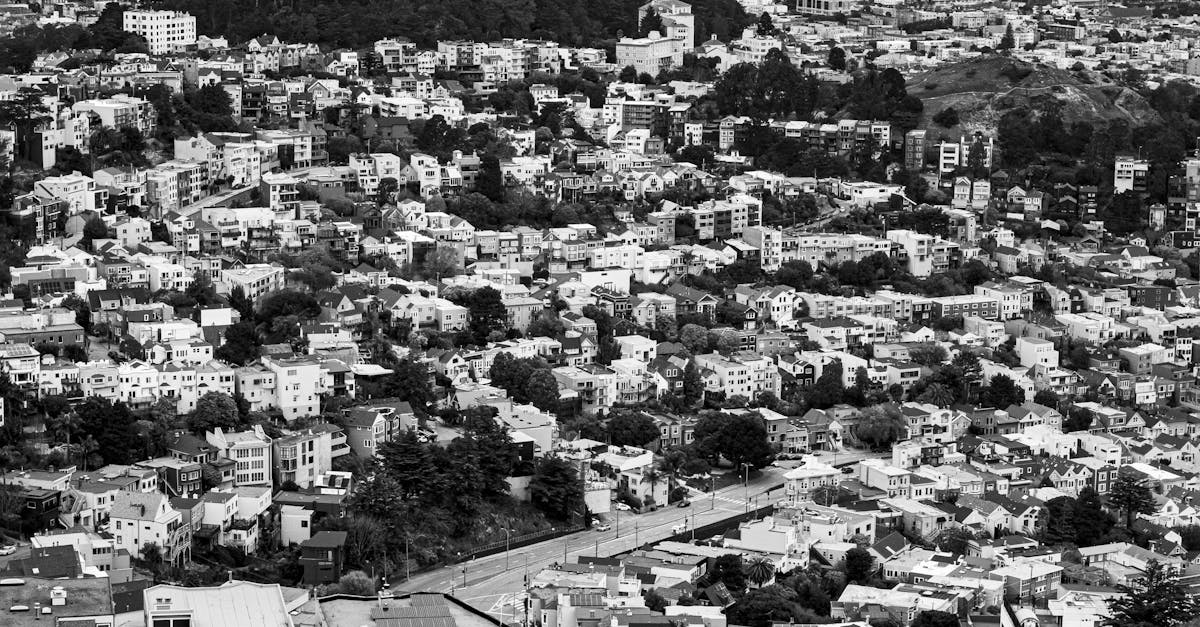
<point x="358" y="583"/>
<point x="946" y="118"/>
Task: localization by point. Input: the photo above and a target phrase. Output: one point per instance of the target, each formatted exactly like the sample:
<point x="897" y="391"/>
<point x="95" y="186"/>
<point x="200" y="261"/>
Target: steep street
<point x="494" y="583"/>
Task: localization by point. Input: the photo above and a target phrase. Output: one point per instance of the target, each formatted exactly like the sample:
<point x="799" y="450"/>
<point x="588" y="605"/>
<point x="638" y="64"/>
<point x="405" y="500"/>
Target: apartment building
<point x="301" y="458"/>
<point x="120" y="111"/>
<point x="164" y="31"/>
<point x="1129" y="174"/>
<point x="650" y="54"/>
<point x="250" y="450"/>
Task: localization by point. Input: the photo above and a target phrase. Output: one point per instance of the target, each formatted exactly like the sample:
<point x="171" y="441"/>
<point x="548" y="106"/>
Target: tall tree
<point x="693" y="385"/>
<point x="541" y="389"/>
<point x="629" y="427"/>
<point x="214" y="410"/>
<point x="829" y="387"/>
<point x="1154" y="600"/>
<point x="1007" y="42"/>
<point x="859" y="565"/>
<point x="556" y="489"/>
<point x="837" y="58"/>
<point x="1131" y="496"/>
<point x="652" y="22"/>
<point x="25" y="111"/>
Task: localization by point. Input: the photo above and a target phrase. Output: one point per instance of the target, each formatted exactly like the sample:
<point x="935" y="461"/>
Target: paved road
<point x="495" y="583"/>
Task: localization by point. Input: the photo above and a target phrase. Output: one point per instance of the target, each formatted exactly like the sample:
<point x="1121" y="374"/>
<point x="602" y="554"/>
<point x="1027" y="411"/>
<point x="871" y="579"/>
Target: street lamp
<point x="746" y="483"/>
<point x="507" y="536"/>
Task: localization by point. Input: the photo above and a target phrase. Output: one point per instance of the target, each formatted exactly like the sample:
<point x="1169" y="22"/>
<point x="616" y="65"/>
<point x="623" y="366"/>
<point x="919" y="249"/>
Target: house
<point x="381" y="421"/>
<point x="235" y="603"/>
<point x="321" y="557"/>
<point x="139" y="520"/>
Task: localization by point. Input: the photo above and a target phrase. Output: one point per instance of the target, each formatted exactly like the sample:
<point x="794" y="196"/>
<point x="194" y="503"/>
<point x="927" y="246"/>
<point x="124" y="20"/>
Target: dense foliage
<point x="340" y="23"/>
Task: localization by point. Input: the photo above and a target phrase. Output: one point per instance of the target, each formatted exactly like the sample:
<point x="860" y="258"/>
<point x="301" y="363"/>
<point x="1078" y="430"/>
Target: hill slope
<point x="357" y="23"/>
<point x="984" y="89"/>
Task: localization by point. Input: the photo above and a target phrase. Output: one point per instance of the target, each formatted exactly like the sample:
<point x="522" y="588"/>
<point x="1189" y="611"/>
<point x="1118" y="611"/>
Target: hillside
<point x="984" y="89"/>
<point x="358" y="23"/>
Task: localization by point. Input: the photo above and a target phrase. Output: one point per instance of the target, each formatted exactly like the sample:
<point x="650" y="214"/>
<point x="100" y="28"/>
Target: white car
<point x="602" y="527"/>
<point x="8" y="549"/>
<point x="680" y="528"/>
<point x="622" y="506"/>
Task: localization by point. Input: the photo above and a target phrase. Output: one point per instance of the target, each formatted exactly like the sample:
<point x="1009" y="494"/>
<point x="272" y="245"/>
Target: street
<point x="495" y="583"/>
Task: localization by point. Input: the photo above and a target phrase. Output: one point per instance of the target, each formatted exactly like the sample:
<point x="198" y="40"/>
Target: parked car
<point x="602" y="527"/>
<point x="680" y="528"/>
<point x="847" y="470"/>
<point x="683" y="503"/>
<point x="8" y="549"/>
<point x="622" y="506"/>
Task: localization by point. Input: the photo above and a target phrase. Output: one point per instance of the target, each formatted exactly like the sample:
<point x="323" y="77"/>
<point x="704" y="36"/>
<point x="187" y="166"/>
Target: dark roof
<point x="50" y="562"/>
<point x="326" y="540"/>
<point x="127" y="596"/>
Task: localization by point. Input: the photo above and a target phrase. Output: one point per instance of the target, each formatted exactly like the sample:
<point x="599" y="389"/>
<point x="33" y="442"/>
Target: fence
<point x="516" y="542"/>
<point x="723" y="525"/>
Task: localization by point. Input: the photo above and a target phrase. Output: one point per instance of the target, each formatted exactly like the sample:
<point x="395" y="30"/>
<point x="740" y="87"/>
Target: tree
<point x="880" y="426"/>
<point x="654" y="601"/>
<point x="201" y="290"/>
<point x="763" y="607"/>
<point x="741" y="439"/>
<point x="693" y="385"/>
<point x="240" y="345"/>
<point x="829" y="388"/>
<point x="1047" y="398"/>
<point x="111" y="427"/>
<point x="651" y="22"/>
<point x="1001" y="392"/>
<point x="214" y="410"/>
<point x="859" y="565"/>
<point x="694" y="338"/>
<point x="1131" y="496"/>
<point x="555" y="488"/>
<point x="1007" y="42"/>
<point x="935" y="618"/>
<point x="760" y="570"/>
<point x="1155" y="599"/>
<point x="94" y="229"/>
<point x="946" y="118"/>
<point x="837" y="58"/>
<point x="24" y="111"/>
<point x="628" y="74"/>
<point x="730" y="570"/>
<point x="929" y="355"/>
<point x="632" y="428"/>
<point x="1060" y="521"/>
<point x="955" y="540"/>
<point x="1092" y="523"/>
<point x="765" y="26"/>
<point x="409" y="463"/>
<point x="1078" y="419"/>
<point x="487" y="312"/>
<point x="541" y="389"/>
